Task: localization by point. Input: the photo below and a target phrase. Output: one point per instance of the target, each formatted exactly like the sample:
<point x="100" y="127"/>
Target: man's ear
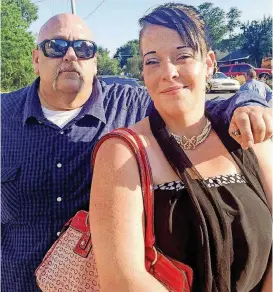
<point x="35" y="61"/>
<point x="210" y="63"/>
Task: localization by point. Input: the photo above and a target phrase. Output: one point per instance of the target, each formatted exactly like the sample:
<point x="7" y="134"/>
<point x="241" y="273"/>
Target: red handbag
<point x="70" y="264"/>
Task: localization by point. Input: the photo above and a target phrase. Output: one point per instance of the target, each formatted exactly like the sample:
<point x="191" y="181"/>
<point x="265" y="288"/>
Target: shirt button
<point x="62" y="132"/>
<point x="58" y="233"/>
<point x="39" y="122"/>
<point x="59" y="165"/>
<point x="59" y="199"/>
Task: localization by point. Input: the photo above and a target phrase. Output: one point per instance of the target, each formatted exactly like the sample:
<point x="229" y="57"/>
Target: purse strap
<point x="138" y="148"/>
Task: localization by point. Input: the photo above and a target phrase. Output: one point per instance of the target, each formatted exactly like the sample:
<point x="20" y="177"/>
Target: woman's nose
<point x="169" y="71"/>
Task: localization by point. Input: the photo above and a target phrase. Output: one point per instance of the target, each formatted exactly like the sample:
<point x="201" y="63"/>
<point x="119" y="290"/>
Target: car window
<point x="240" y="68"/>
<point x="245" y="68"/>
<point x="219" y="75"/>
<point x="224" y="69"/>
<point x="235" y="69"/>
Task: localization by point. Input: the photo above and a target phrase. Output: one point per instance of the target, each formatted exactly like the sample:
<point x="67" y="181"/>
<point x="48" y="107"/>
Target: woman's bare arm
<point x="116" y="217"/>
<point x="264" y="154"/>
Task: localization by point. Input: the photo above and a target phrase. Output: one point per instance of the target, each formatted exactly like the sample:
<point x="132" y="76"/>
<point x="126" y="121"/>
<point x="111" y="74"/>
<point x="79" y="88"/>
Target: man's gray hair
<point x="251" y="73"/>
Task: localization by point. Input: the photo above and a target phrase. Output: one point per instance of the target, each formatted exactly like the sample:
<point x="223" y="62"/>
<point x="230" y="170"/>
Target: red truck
<point x="234" y="70"/>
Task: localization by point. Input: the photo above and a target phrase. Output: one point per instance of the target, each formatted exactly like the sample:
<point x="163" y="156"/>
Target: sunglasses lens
<point x="56" y="48"/>
<point x="84" y="49"/>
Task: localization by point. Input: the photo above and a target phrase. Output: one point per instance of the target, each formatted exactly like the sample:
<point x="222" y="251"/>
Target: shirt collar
<point x="33" y="106"/>
<point x="93" y="106"/>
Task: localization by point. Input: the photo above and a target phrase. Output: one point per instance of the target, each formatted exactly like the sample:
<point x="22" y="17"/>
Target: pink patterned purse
<point x="70" y="266"/>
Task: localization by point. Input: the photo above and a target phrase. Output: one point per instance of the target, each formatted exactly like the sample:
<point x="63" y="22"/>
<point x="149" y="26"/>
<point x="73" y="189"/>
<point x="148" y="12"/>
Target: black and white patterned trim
<point x="173" y="185"/>
<point x="215" y="181"/>
<point x="220" y="180"/>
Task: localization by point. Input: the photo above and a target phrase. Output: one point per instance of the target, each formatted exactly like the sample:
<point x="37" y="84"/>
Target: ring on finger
<point x="236" y="132"/>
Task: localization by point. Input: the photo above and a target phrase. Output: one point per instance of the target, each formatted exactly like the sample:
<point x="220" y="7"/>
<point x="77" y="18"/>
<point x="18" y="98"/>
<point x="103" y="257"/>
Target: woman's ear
<point x="210" y="63"/>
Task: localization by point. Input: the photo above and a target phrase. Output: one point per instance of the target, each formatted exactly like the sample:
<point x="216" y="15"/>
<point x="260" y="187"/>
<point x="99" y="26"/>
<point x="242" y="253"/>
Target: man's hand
<point x="255" y="124"/>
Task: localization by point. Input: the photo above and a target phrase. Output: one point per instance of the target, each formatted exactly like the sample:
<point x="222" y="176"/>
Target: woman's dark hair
<point x="182" y="18"/>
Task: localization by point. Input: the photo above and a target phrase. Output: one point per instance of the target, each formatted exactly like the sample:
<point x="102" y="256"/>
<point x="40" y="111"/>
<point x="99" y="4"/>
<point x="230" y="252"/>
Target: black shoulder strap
<point x="245" y="159"/>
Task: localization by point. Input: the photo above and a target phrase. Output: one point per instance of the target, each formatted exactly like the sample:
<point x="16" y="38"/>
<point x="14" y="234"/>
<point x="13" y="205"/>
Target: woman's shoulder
<point x="113" y="149"/>
<point x="142" y="128"/>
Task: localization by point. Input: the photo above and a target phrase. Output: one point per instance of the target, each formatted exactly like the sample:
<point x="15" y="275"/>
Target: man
<point x="49" y="130"/>
<point x="260" y="87"/>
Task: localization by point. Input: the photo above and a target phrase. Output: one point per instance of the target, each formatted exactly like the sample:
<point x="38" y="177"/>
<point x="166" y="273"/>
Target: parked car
<point x="110" y="79"/>
<point x="221" y="82"/>
<point x="234" y="70"/>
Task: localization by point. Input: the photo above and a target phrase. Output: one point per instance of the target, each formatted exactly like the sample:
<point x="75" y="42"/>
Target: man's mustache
<point x="71" y="68"/>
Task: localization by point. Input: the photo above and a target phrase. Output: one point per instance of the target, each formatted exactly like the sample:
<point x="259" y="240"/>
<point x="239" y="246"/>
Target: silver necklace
<point x="191" y="143"/>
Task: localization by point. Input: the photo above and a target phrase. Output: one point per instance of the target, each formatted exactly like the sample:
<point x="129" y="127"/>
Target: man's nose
<point x="169" y="71"/>
<point x="70" y="55"/>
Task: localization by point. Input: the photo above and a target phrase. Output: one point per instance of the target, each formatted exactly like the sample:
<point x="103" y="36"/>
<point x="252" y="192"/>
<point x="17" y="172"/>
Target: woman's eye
<point x="183" y="57"/>
<point x="151" y="62"/>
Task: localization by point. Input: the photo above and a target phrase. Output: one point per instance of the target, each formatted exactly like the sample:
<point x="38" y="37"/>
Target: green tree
<point x="127" y="51"/>
<point x="16" y="46"/>
<point x="231" y="44"/>
<point x="221" y="26"/>
<point x="214" y="18"/>
<point x="233" y="20"/>
<point x="106" y="64"/>
<point x="234" y="40"/>
<point x="257" y="39"/>
<point x="134" y="67"/>
<point x="28" y="9"/>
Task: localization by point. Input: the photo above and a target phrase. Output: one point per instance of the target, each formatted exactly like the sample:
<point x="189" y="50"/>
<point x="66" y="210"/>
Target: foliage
<point x="231" y="44"/>
<point x="16" y="47"/>
<point x="233" y="20"/>
<point x="221" y="26"/>
<point x="106" y="64"/>
<point x="234" y="41"/>
<point x="134" y="67"/>
<point x="130" y="49"/>
<point x="257" y="39"/>
<point x="28" y="9"/>
<point x="214" y="19"/>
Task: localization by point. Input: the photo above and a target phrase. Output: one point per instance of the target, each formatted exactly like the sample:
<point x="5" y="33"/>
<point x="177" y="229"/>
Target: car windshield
<point x="111" y="80"/>
<point x="219" y="75"/>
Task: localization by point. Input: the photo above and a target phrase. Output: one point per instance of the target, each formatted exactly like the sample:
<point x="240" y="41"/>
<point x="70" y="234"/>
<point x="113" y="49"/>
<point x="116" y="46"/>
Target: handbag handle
<point x="137" y="146"/>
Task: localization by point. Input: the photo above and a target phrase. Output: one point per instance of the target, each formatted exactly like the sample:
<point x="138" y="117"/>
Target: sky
<point x="114" y="22"/>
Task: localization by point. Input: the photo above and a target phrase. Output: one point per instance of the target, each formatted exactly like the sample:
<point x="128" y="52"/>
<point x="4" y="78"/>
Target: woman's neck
<point x="189" y="125"/>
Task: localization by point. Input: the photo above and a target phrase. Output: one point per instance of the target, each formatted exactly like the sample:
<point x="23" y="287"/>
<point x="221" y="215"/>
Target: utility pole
<point x="73" y="6"/>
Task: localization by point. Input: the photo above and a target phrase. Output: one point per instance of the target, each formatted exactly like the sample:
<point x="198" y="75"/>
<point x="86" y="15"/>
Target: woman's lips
<point x="173" y="90"/>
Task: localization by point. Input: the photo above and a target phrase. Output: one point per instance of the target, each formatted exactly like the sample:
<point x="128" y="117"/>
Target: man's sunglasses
<point x="57" y="48"/>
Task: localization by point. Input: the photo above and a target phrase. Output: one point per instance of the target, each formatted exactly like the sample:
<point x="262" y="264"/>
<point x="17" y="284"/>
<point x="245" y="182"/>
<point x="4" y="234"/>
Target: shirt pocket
<point x="10" y="199"/>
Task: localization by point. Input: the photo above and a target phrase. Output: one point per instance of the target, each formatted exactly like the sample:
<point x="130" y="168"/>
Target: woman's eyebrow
<point x="182" y="47"/>
<point x="151" y="52"/>
<point x="154" y="52"/>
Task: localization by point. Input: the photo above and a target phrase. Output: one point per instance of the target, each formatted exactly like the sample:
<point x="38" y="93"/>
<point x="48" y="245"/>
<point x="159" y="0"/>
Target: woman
<point x="178" y="135"/>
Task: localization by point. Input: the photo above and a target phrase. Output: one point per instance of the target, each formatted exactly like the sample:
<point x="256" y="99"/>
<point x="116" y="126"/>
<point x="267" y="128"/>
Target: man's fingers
<point x="269" y="126"/>
<point x="242" y="123"/>
<point x="232" y="129"/>
<point x="258" y="127"/>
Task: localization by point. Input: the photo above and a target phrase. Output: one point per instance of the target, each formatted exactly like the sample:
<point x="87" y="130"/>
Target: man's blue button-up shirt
<point x="46" y="172"/>
<point x="258" y="86"/>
